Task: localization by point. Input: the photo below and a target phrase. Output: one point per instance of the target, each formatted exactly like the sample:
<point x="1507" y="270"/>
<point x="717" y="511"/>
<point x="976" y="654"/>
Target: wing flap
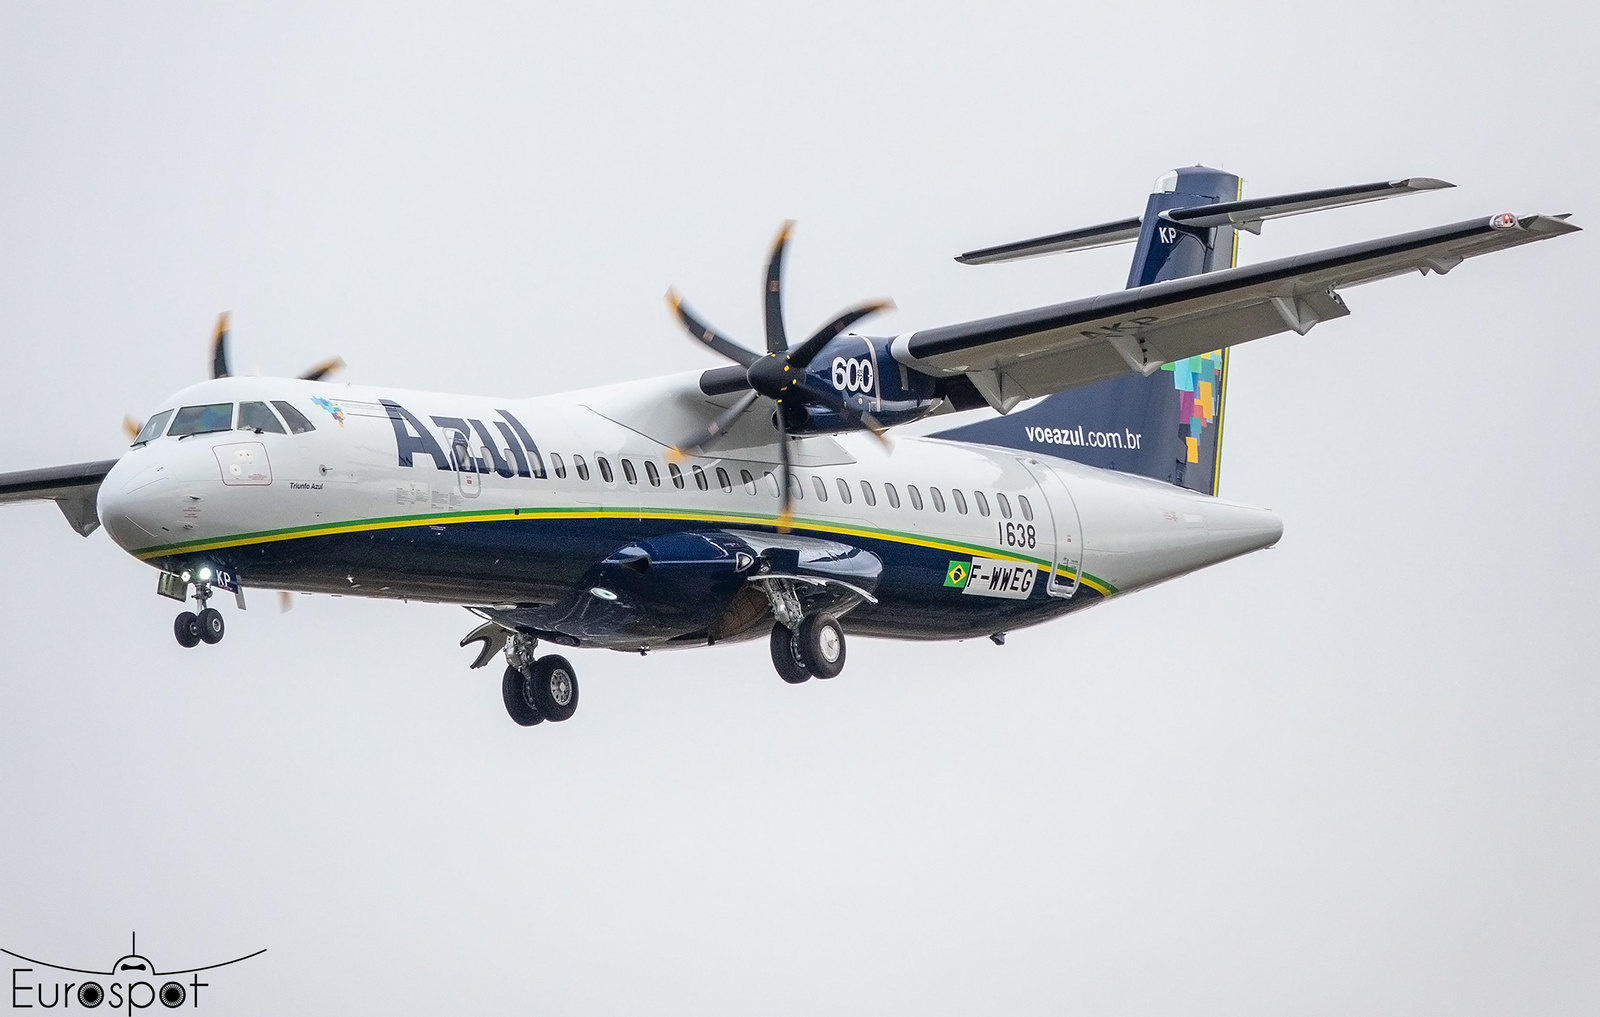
<point x="1049" y="349"/>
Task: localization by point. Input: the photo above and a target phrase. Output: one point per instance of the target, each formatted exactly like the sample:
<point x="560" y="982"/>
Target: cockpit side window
<point x="298" y="424"/>
<point x="256" y="417"/>
<point x="153" y="427"/>
<point x="202" y="419"/>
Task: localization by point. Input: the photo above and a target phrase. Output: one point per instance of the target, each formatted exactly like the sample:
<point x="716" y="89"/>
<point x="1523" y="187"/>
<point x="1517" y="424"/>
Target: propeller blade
<point x="717" y="427"/>
<point x="706" y="334"/>
<point x="832" y="400"/>
<point x="285" y="601"/>
<point x="323" y="369"/>
<point x="219" y="348"/>
<point x="785" y="496"/>
<point x="132" y="427"/>
<point x="808" y="350"/>
<point x="777" y="341"/>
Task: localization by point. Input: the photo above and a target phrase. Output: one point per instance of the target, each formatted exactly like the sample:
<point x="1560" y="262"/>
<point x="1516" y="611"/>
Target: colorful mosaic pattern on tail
<point x="1197" y="380"/>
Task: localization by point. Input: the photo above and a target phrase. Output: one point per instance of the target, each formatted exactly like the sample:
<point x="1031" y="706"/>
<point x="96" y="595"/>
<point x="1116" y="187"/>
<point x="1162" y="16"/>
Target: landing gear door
<point x="1059" y="517"/>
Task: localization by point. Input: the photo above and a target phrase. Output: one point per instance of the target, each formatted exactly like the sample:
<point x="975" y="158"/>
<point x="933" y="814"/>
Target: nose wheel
<point x="192" y="628"/>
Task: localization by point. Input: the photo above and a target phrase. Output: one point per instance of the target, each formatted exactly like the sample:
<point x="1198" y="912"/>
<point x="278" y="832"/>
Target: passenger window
<point x="1005" y="506"/>
<point x="749" y="481"/>
<point x="605" y="469"/>
<point x="772" y="483"/>
<point x="983" y="503"/>
<point x="700" y="479"/>
<point x="916" y="496"/>
<point x="797" y="490"/>
<point x="1027" y="510"/>
<point x="153" y="427"/>
<point x="844" y="490"/>
<point x="202" y="419"/>
<point x="867" y="494"/>
<point x="960" y="499"/>
<point x="821" y="487"/>
<point x="627" y="471"/>
<point x="893" y="495"/>
<point x="298" y="424"/>
<point x="558" y="466"/>
<point x="938" y="499"/>
<point x="581" y="466"/>
<point x="256" y="417"/>
<point x="724" y="481"/>
<point x="677" y="475"/>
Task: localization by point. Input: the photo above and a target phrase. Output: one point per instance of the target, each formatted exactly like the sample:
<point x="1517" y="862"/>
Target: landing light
<point x="205" y="574"/>
<point x="602" y="593"/>
<point x="185" y="576"/>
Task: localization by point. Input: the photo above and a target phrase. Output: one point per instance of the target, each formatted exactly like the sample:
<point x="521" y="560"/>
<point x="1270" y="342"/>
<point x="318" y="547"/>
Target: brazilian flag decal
<point x="957" y="574"/>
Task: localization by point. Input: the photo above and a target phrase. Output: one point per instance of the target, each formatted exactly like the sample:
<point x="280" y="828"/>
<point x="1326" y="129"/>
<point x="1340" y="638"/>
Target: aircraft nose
<point x="135" y="503"/>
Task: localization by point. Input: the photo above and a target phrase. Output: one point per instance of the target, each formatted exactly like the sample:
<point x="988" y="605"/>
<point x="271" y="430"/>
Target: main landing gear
<point x="813" y="648"/>
<point x="536" y="689"/>
<point x="206" y="626"/>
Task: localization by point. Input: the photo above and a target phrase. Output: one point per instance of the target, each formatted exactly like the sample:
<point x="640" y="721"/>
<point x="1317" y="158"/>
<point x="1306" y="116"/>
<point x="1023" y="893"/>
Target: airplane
<point x="764" y="498"/>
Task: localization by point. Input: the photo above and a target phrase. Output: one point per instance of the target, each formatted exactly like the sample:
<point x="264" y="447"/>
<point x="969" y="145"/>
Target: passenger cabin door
<point x="1060" y="533"/>
<point x="458" y="447"/>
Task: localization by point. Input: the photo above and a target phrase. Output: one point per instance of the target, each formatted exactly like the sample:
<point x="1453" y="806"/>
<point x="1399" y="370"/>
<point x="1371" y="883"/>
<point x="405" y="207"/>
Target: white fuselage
<point x="484" y="501"/>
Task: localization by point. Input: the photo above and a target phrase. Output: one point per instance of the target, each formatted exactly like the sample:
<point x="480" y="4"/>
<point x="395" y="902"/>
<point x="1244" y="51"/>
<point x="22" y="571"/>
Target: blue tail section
<point x="1169" y="425"/>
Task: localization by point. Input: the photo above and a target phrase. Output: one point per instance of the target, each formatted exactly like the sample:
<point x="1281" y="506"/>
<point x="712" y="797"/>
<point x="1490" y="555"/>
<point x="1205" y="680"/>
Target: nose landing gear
<point x="206" y="626"/>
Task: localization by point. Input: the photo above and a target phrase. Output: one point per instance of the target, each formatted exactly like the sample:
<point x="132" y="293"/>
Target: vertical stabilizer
<point x="1169" y="425"/>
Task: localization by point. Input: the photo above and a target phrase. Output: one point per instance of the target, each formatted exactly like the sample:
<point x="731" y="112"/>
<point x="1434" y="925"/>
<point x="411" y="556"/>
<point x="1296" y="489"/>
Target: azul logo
<point x="132" y="983"/>
<point x="332" y="407"/>
<point x="521" y="456"/>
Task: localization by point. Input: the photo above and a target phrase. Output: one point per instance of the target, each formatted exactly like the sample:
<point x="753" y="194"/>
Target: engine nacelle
<point x="863" y="372"/>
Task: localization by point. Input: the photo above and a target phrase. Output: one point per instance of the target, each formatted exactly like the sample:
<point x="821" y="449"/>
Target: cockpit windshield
<point x="202" y="419"/>
<point x="256" y="417"/>
<point x="153" y="427"/>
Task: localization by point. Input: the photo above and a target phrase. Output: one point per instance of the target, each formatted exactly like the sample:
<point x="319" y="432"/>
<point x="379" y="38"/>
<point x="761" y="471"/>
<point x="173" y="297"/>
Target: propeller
<point x="222" y="368"/>
<point x="779" y="375"/>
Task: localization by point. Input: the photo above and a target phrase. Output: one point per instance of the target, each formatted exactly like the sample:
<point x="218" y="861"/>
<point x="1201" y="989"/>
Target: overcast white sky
<point x="1357" y="774"/>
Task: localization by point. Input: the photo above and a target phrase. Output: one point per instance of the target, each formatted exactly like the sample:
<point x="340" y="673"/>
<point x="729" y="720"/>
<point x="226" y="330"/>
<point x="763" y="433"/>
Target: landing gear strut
<point x="207" y="626"/>
<point x="537" y="689"/>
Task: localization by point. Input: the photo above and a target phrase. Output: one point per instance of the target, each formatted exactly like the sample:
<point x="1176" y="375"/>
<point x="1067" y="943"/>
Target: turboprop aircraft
<point x="762" y="498"/>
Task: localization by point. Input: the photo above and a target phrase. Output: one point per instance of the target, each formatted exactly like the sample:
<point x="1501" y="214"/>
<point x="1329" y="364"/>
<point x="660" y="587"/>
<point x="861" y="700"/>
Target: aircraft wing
<point x="73" y="488"/>
<point x="1033" y="353"/>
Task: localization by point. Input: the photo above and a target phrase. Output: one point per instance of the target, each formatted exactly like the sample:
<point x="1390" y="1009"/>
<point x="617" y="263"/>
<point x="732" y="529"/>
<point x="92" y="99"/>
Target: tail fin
<point x="1169" y="425"/>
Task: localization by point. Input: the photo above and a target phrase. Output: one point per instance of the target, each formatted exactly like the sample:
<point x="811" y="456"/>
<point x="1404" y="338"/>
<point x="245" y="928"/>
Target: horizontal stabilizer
<point x="1251" y="212"/>
<point x="1123" y="231"/>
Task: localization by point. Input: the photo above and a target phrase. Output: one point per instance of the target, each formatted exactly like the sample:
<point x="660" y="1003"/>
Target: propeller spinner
<point x="780" y="374"/>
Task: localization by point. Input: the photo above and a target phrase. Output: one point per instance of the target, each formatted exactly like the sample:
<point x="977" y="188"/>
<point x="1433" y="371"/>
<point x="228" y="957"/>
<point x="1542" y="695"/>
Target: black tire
<point x="785" y="659"/>
<point x="555" y="687"/>
<point x="514" y="690"/>
<point x="820" y="645"/>
<point x="211" y="626"/>
<point x="186" y="627"/>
